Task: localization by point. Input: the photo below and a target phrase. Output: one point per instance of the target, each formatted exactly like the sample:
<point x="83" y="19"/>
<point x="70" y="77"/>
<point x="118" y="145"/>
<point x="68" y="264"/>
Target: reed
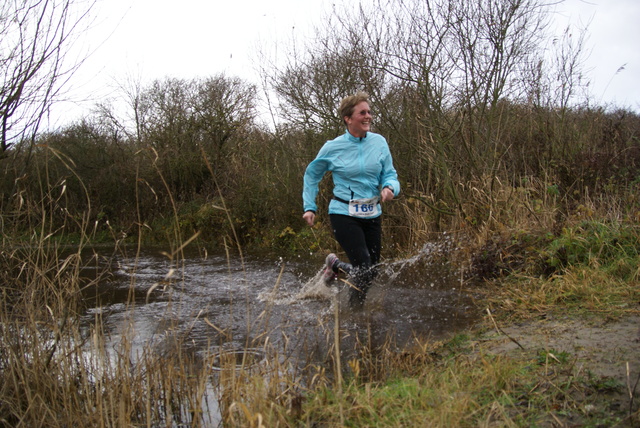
<point x="552" y="240"/>
<point x="55" y="373"/>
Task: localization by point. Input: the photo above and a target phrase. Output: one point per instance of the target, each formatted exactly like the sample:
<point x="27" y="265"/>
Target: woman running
<point x="363" y="178"/>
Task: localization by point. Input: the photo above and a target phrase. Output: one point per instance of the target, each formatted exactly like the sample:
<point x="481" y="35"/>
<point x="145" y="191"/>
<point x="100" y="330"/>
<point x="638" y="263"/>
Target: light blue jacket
<point x="361" y="168"/>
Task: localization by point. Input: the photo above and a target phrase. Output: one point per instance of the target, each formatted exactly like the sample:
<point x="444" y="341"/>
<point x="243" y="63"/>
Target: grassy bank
<point x="550" y="261"/>
<point x="557" y="346"/>
<point x="554" y="349"/>
<point x="549" y="267"/>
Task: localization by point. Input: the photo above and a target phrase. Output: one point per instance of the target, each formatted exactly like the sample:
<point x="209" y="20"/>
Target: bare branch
<point x="35" y="36"/>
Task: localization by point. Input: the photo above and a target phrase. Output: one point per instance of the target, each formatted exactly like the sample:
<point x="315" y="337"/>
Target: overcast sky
<point x="613" y="34"/>
<point x="151" y="39"/>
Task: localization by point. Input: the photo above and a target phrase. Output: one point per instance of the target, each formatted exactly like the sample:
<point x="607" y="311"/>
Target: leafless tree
<point x="447" y="78"/>
<point x="178" y="119"/>
<point x="35" y="38"/>
<point x="319" y="70"/>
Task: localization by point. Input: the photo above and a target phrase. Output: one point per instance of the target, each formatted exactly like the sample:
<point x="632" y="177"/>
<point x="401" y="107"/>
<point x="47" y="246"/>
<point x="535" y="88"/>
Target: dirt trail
<point x="605" y="349"/>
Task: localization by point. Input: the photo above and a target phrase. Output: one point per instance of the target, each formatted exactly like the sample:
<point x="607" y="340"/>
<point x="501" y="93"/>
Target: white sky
<point x="153" y="39"/>
<point x="613" y="37"/>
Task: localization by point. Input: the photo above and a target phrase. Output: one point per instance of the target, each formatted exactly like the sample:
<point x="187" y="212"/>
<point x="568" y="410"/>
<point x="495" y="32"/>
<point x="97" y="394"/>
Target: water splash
<point x="315" y="288"/>
<point x="427" y="267"/>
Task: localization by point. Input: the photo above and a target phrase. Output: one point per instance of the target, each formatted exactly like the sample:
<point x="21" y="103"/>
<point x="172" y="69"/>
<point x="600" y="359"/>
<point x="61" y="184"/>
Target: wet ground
<point x="219" y="302"/>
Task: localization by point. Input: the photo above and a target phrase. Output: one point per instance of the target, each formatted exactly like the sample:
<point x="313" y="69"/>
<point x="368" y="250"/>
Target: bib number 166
<point x="363" y="207"/>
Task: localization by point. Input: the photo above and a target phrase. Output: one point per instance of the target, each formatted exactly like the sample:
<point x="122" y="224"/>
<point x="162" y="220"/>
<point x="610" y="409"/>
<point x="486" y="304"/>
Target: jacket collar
<point x="356" y="139"/>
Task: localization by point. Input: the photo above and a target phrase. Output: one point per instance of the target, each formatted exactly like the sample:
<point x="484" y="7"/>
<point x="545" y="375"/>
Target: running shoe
<point x="328" y="274"/>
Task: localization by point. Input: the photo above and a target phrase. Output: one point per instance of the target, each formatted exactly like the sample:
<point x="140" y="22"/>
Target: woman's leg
<point x="360" y="240"/>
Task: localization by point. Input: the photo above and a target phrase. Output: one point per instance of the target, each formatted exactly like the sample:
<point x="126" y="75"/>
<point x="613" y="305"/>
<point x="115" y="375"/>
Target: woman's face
<point x="359" y="123"/>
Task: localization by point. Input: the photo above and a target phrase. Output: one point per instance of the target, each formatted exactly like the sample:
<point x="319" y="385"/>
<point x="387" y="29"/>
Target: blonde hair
<point x="348" y="104"/>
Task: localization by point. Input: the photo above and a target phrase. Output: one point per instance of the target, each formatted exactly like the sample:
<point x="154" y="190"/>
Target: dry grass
<point x="55" y="373"/>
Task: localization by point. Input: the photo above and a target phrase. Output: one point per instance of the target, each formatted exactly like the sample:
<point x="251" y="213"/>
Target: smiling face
<point x="359" y="123"/>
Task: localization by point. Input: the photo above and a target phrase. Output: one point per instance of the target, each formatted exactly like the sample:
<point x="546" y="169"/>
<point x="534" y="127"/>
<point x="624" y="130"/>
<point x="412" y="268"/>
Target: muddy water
<point x="218" y="302"/>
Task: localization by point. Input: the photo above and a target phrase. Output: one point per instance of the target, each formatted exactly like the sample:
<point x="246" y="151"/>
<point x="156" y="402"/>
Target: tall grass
<point x="562" y="229"/>
<point x="57" y="373"/>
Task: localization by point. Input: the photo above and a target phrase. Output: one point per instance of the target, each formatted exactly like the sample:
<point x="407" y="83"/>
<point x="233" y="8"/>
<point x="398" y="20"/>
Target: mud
<point x="602" y="346"/>
<point x="602" y="349"/>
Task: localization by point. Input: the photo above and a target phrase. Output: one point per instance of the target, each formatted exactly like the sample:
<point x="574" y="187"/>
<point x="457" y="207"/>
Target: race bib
<point x="363" y="207"/>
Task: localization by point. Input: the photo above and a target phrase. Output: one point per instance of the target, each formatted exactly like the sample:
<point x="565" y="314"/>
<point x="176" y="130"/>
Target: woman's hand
<point x="386" y="194"/>
<point x="309" y="217"/>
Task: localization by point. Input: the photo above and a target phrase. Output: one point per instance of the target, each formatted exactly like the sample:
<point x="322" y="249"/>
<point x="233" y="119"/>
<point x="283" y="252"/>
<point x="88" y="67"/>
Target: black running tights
<point x="360" y="238"/>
